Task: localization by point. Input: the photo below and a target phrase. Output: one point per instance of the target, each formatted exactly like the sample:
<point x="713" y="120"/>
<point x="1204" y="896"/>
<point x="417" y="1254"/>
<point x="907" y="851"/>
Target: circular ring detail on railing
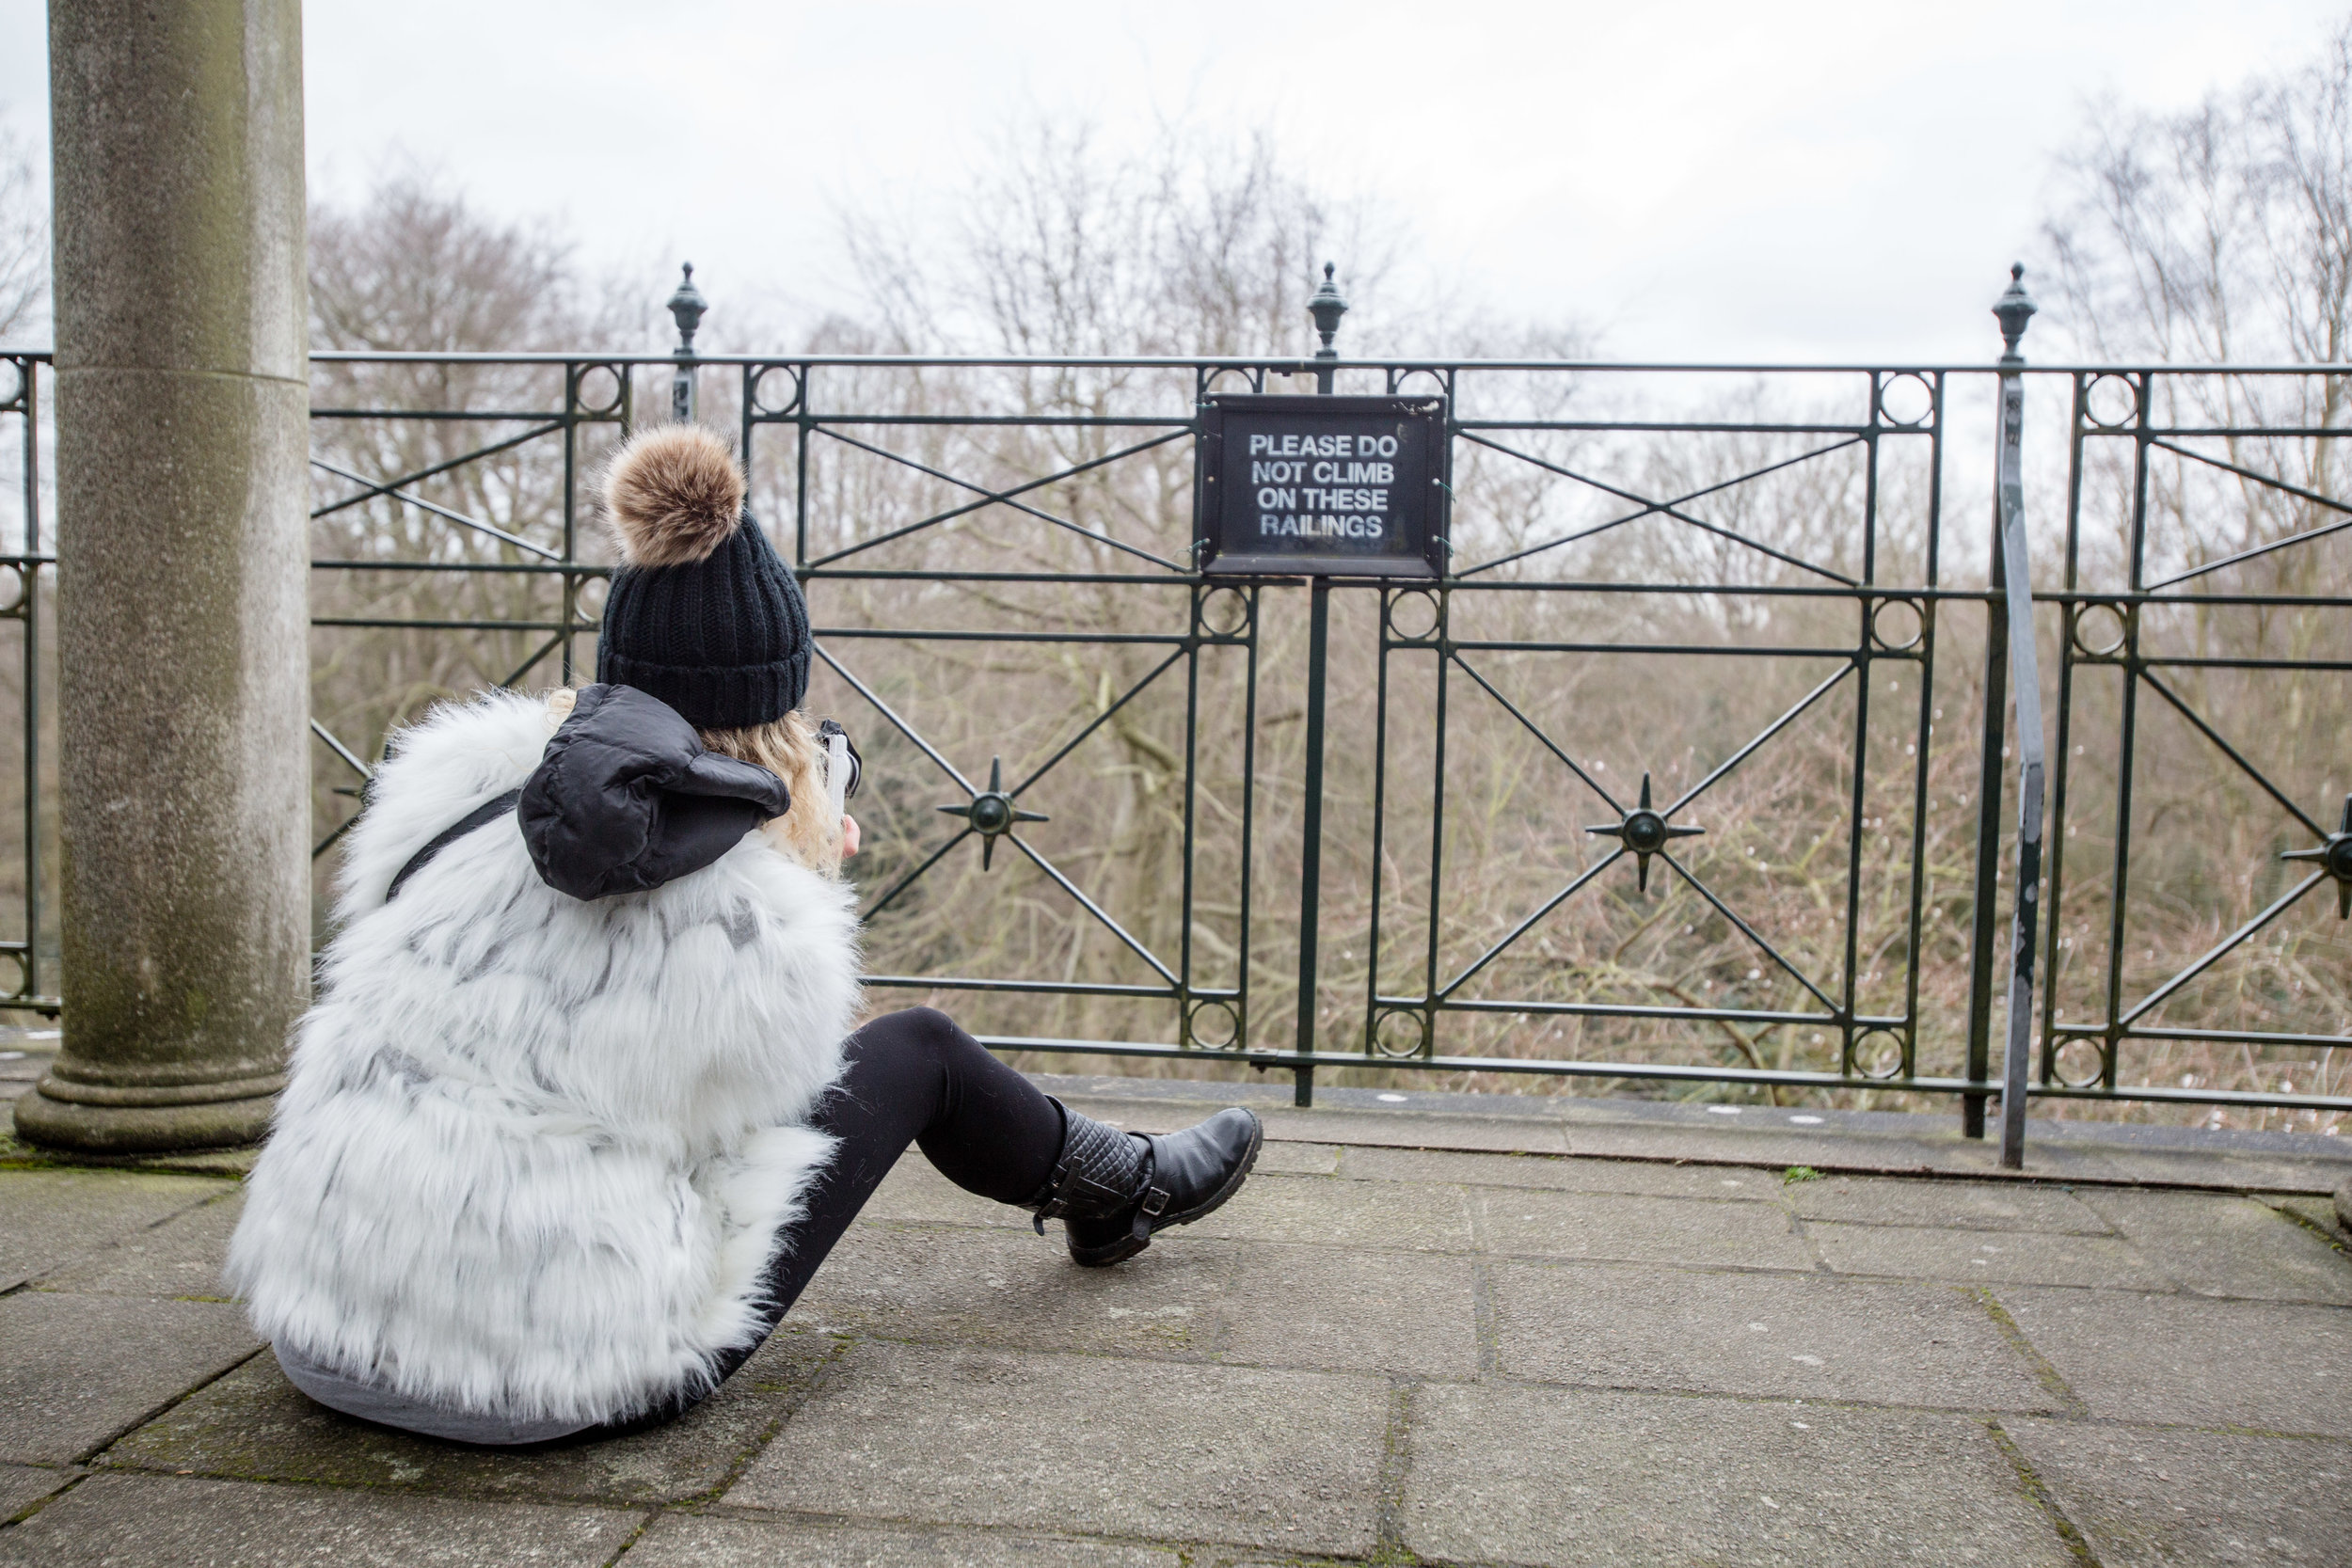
<point x="1879" y="1054"/>
<point x="2080" y="1064"/>
<point x="1400" y="1034"/>
<point x="1222" y="612"/>
<point x="12" y="585"/>
<point x="784" y="398"/>
<point x="589" y="597"/>
<point x="1905" y="401"/>
<point x="1901" y="631"/>
<point x="1213" y="1027"/>
<point x="1251" y="381"/>
<point x="23" y="986"/>
<point x="588" y="397"/>
<point x="1401" y="384"/>
<point x="1414" y="615"/>
<point x="22" y="370"/>
<point x="2091" y="641"/>
<point x="2112" y="402"/>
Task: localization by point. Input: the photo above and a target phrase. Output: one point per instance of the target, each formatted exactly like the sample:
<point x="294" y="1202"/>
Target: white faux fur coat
<point x="534" y="1152"/>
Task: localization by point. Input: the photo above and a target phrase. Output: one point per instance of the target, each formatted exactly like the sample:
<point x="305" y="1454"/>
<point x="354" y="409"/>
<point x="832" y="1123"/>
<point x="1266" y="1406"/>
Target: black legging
<point x="912" y="1077"/>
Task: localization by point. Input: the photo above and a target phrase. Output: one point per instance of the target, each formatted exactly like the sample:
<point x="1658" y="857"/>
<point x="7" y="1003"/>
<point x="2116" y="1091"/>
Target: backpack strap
<point x="480" y="817"/>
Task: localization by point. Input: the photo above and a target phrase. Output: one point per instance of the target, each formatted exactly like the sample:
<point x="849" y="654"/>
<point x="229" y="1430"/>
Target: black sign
<point x="1321" y="487"/>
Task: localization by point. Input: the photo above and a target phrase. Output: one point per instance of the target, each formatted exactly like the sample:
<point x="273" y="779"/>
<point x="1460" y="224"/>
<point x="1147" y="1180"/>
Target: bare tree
<point x="2217" y="235"/>
<point x="414" y="266"/>
<point x="23" y="241"/>
<point x="2220" y="234"/>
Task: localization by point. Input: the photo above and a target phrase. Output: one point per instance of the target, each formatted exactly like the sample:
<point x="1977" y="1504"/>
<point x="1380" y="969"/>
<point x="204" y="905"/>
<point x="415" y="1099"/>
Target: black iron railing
<point x="1692" y="768"/>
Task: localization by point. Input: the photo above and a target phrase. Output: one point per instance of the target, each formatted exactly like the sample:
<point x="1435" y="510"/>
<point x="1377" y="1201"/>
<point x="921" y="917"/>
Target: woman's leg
<point x="912" y="1077"/>
<point x="915" y="1077"/>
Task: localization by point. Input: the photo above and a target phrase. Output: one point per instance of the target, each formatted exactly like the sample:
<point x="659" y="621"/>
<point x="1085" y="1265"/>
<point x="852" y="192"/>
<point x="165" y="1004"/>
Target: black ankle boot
<point x="1111" y="1189"/>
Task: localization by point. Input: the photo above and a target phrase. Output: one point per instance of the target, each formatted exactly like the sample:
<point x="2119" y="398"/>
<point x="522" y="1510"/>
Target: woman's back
<point x="535" y="1150"/>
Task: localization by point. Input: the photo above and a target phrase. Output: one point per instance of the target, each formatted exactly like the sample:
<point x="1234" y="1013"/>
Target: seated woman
<point x="578" y="1112"/>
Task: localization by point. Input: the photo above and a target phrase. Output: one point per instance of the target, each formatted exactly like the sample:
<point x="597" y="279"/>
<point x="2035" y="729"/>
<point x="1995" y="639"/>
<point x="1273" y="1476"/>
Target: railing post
<point x="1311" y="829"/>
<point x="686" y="307"/>
<point x="1982" y="966"/>
<point x="1328" y="306"/>
<point x="2014" y="310"/>
<point x="183" y="570"/>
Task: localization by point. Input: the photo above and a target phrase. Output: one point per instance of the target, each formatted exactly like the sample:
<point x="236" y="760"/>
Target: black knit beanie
<point x="701" y="613"/>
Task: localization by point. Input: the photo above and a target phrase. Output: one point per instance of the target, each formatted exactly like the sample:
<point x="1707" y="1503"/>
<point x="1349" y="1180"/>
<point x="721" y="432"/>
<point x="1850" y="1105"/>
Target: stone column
<point x="183" y="495"/>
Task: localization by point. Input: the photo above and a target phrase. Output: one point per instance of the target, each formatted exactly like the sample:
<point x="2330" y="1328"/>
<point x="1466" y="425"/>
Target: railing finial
<point x="686" y="307"/>
<point x="1328" y="306"/>
<point x="2014" y="308"/>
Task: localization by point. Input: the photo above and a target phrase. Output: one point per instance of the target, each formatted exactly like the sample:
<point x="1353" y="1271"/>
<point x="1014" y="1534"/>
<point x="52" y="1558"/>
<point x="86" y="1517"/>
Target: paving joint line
<point x="26" y="1513"/>
<point x="1485" y="1328"/>
<point x="1188" y="1547"/>
<point x="2039" y="1494"/>
<point x="156" y="1412"/>
<point x="2045" y="1371"/>
<point x="2334" y="1235"/>
<point x="634" y="1536"/>
<point x="1397" y="1457"/>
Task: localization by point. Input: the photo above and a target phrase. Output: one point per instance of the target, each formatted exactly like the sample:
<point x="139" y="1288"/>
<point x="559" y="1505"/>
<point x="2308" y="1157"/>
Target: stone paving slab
<point x="1800" y="1337"/>
<point x="1638" y="1230"/>
<point x="256" y="1425"/>
<point x="1781" y="1145"/>
<point x="1267" y="1305"/>
<point x="2154" y="1499"/>
<point x="684" y="1541"/>
<point x="1558" y="1173"/>
<point x="1276" y="1158"/>
<point x="1410" y="1316"/>
<point x="22" y="1485"/>
<point x="1017" y="1290"/>
<point x="77" y="1370"/>
<point x="1539" y="1477"/>
<point x="1327" y="1212"/>
<point x="180" y="1258"/>
<point x="1982" y="1257"/>
<point x="51" y="1218"/>
<point x="2228" y="1246"/>
<point x="1090" y="1445"/>
<point x="2233" y="1172"/>
<point x="1964" y="1205"/>
<point x="158" y="1522"/>
<point x="2273" y="1367"/>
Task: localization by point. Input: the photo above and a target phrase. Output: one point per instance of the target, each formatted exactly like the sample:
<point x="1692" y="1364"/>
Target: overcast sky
<point x="1696" y="180"/>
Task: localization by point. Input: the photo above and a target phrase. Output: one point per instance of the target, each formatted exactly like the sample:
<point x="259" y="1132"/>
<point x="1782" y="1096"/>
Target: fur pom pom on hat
<point x="701" y="613"/>
<point x="674" y="495"/>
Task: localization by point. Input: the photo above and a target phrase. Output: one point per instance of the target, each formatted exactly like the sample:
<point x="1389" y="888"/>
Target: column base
<point x="141" y="1129"/>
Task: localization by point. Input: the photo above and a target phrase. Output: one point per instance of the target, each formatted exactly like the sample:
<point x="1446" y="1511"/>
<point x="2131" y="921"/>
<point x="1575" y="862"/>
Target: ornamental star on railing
<point x="2335" y="858"/>
<point x="1644" y="833"/>
<point x="991" y="813"/>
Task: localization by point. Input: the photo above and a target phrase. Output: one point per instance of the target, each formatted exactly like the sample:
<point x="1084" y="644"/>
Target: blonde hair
<point x="787" y="747"/>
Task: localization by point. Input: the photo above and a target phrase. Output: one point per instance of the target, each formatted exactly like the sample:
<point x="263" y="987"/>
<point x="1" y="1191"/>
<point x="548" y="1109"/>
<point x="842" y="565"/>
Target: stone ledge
<point x="1857" y="1143"/>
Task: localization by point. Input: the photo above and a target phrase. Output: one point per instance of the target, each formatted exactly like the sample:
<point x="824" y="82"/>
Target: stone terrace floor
<point x="1433" y="1329"/>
